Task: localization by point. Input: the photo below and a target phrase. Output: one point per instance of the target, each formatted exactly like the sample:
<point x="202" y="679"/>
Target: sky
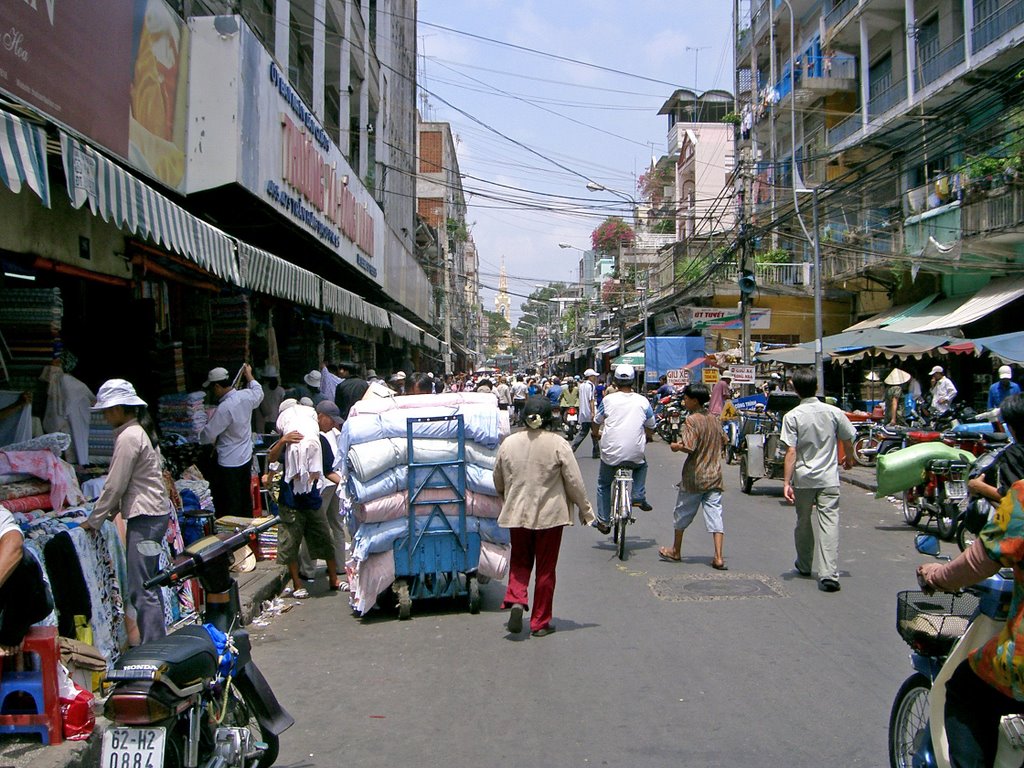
<point x="531" y="129"/>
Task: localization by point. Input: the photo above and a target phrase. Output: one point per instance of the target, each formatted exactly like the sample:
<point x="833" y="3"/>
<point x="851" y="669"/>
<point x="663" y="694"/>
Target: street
<point x="653" y="663"/>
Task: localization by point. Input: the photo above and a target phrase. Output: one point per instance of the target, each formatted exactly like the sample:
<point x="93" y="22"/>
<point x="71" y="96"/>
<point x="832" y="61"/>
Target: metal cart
<point x="437" y="550"/>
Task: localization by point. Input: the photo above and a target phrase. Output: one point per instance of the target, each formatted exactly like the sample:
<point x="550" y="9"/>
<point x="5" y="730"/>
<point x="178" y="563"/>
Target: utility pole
<point x="447" y="310"/>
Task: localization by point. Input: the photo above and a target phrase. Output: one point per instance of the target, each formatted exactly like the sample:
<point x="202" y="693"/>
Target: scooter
<point x="196" y="698"/>
<point x="671" y="424"/>
<point x="570" y="422"/>
<point x="941" y="630"/>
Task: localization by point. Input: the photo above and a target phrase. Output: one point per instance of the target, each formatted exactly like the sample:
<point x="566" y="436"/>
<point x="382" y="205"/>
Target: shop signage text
<point x="307" y="173"/>
<point x="742" y="374"/>
<point x="295" y="102"/>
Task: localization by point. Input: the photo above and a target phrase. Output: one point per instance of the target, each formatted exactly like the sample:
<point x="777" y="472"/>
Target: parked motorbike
<point x="196" y="698"/>
<point x="732" y="443"/>
<point x="671" y="424"/>
<point x="975" y="513"/>
<point x="941" y="630"/>
<point x="570" y="422"/>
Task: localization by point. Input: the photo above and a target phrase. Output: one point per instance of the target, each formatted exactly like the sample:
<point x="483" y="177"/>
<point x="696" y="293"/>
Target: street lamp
<point x="819" y="369"/>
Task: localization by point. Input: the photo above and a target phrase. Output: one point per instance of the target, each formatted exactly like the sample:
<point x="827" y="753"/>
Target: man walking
<point x="624" y="422"/>
<point x="350" y="389"/>
<point x="230" y="432"/>
<point x="701" y="486"/>
<point x="811" y="433"/>
<point x="588" y="407"/>
<point x="519" y="393"/>
<point x="943" y="391"/>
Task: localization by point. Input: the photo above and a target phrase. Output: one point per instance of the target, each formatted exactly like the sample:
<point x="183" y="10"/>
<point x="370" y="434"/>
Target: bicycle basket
<point x="931" y="624"/>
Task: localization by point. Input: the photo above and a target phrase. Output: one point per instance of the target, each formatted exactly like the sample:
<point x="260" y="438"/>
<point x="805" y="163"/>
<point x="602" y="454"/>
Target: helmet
<point x="624" y="374"/>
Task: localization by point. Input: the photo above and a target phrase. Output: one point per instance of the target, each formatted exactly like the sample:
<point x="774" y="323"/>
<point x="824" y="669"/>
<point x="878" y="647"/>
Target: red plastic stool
<point x="257" y="501"/>
<point x="40" y="684"/>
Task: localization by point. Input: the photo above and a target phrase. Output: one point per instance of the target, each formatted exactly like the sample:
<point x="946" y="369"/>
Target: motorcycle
<point x="941" y="630"/>
<point x="671" y="424"/>
<point x="570" y="422"/>
<point x="195" y="697"/>
<point x="732" y="435"/>
<point x="975" y="513"/>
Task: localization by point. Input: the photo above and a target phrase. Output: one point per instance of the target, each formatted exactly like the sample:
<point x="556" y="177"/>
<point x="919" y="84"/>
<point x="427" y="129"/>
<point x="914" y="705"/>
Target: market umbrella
<point x="635" y="359"/>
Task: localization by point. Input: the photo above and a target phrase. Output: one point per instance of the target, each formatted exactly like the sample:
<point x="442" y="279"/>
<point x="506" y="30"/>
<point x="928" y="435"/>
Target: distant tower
<point x="503" y="306"/>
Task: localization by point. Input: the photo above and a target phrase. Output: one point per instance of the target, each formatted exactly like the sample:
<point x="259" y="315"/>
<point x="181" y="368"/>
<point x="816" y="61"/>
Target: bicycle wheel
<point x="620" y="543"/>
<point x="908" y="720"/>
<point x="964" y="536"/>
<point x="614" y="509"/>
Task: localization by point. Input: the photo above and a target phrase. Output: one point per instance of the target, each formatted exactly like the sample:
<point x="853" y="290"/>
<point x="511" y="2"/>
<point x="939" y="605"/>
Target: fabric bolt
<point x="303" y="461"/>
<point x="412" y="402"/>
<point x="396" y="505"/>
<point x="367" y="460"/>
<point x="108" y="611"/>
<point x="494" y="560"/>
<point x="40" y="501"/>
<point x="533" y="549"/>
<point x="54" y="442"/>
<point x="64" y="489"/>
<point x="22" y="488"/>
<point x="369" y="578"/>
<point x="379" y="537"/>
<point x="67" y="582"/>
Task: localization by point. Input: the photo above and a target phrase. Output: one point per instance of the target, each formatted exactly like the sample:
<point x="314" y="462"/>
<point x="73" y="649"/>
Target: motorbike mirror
<point x="927" y="544"/>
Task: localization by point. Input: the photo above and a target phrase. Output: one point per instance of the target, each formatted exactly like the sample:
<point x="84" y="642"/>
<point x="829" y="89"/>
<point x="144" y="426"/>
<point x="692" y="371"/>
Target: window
<point x="880" y="76"/>
<point x="928" y="40"/>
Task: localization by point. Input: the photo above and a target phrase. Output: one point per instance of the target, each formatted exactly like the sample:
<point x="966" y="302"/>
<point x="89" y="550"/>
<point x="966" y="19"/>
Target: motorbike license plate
<point x="673" y="420"/>
<point x="571" y="418"/>
<point x="133" y="748"/>
<point x="956" y="489"/>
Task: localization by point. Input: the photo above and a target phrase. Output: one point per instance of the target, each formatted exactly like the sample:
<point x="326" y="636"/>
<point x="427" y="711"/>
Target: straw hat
<point x="897" y="377"/>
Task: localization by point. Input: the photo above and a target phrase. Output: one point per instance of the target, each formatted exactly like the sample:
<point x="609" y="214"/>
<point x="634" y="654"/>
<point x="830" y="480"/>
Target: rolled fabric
<point x="370" y="578"/>
<point x="392" y="481"/>
<point x="454" y="399"/>
<point x="367" y="460"/>
<point x="396" y="505"/>
<point x="494" y="560"/>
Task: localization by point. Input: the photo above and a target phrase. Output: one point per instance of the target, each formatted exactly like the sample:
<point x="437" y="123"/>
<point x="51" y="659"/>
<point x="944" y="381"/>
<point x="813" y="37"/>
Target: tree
<point x="497" y="328"/>
<point x="612" y="233"/>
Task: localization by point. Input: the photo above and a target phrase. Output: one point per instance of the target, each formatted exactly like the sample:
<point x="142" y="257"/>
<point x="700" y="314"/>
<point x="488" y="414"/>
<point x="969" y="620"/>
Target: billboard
<point x="114" y="71"/>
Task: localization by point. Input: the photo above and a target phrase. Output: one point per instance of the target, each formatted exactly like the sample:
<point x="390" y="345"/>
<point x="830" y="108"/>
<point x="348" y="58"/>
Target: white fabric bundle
<point x="367" y="460"/>
<point x="303" y="461"/>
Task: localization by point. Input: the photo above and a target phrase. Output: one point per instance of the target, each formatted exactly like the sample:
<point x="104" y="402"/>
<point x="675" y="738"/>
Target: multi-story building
<point x="905" y="116"/>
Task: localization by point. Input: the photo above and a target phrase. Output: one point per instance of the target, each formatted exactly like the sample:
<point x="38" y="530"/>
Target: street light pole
<point x="819" y="366"/>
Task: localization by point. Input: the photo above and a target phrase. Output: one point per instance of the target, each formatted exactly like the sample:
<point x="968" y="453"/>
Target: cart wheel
<point x="746" y="481"/>
<point x="474" y="594"/>
<point x="404" y="601"/>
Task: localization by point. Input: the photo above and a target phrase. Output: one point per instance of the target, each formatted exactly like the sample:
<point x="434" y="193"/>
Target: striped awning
<point x="120" y="198"/>
<point x="431" y="342"/>
<point x="341" y="302"/>
<point x="403" y="329"/>
<point x="266" y="273"/>
<point x="23" y="156"/>
<point x="375" y="316"/>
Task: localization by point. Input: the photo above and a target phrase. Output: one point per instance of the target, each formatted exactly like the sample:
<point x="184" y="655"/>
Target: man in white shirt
<point x="329" y="380"/>
<point x="519" y="394"/>
<point x="943" y="391"/>
<point x="230" y="432"/>
<point x="588" y="409"/>
<point x="624" y="422"/>
<point x="504" y="393"/>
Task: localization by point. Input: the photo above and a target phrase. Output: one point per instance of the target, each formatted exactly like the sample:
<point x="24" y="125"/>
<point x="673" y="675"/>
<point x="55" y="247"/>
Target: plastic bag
<point x="75" y="707"/>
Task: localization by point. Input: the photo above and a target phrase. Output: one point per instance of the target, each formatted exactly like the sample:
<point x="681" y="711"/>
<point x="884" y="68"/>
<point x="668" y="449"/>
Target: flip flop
<point x="665" y="556"/>
<point x="719" y="566"/>
<point x="300" y="594"/>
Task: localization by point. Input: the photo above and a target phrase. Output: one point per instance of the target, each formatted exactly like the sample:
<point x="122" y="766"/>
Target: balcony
<point x="942" y="62"/>
<point x="759" y="21"/>
<point x="844" y="129"/>
<point x="779" y="273"/>
<point x="939" y="192"/>
<point x="1000" y="213"/>
<point x="840" y="10"/>
<point x="997" y="24"/>
<point x="889" y="98"/>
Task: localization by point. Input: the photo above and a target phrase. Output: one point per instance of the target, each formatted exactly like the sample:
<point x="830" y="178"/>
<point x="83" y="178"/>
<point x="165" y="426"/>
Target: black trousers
<point x="23" y="601"/>
<point x="230" y="487"/>
<point x="973" y="710"/>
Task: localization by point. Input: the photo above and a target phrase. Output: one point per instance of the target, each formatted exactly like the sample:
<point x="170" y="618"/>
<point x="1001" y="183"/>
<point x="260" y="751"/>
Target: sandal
<point x="287" y="591"/>
<point x="665" y="554"/>
<point x="719" y="566"/>
<point x="300" y="594"/>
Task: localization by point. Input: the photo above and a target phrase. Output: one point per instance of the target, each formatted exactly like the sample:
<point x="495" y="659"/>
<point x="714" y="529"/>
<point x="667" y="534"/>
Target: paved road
<point x="643" y="670"/>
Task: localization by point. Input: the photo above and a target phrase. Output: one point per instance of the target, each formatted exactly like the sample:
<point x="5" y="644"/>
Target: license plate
<point x="956" y="489"/>
<point x="570" y="418"/>
<point x="133" y="748"/>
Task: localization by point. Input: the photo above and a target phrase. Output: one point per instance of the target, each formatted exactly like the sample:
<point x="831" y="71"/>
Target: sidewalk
<point x="262" y="583"/>
<point x="862" y="477"/>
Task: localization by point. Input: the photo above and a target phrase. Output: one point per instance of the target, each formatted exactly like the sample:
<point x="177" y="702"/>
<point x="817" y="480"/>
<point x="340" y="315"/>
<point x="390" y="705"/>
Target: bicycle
<point x="622" y="506"/>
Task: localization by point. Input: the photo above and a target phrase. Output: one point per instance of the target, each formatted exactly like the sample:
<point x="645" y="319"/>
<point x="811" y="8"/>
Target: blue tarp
<point x="665" y="353"/>
<point x="1008" y="346"/>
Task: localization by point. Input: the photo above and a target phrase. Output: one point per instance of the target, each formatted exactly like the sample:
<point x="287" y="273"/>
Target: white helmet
<point x="624" y="374"/>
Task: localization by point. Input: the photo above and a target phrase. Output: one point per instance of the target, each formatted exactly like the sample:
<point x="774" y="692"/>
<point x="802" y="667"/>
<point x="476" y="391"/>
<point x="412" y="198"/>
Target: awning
<point x="375" y="316"/>
<point x="631" y="358"/>
<point x="266" y="273"/>
<point x="893" y="314"/>
<point x="608" y="347"/>
<point x="23" y="156"/>
<point x="961" y="312"/>
<point x="341" y="302"/>
<point x="431" y="342"/>
<point x="854" y="345"/>
<point x="118" y="197"/>
<point x="403" y="329"/>
<point x="1008" y="347"/>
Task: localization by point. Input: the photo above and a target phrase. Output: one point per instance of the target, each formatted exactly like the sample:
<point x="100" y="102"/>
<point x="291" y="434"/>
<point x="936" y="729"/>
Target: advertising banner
<point x="115" y="72"/>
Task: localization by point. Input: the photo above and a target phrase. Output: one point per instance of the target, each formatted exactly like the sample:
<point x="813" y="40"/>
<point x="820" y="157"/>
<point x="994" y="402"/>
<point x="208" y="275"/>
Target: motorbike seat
<point x="996" y="438"/>
<point x="188" y="653"/>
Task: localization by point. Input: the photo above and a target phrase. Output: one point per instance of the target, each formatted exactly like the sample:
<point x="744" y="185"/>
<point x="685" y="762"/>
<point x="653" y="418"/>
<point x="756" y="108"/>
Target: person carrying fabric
<point x="230" y="432"/>
<point x="624" y="424"/>
<point x="1002" y="388"/>
<point x="539" y="481"/>
<point x="811" y="433"/>
<point x="702" y="440"/>
<point x="135" y="489"/>
<point x="303" y="518"/>
<point x="23" y="597"/>
<point x="896" y="397"/>
<point x="943" y="391"/>
<point x="990" y="682"/>
<point x="588" y="408"/>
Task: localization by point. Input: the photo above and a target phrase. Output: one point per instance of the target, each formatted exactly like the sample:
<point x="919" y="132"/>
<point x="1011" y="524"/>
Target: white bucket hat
<point x="313" y="379"/>
<point x="270" y="371"/>
<point x="116" y="392"/>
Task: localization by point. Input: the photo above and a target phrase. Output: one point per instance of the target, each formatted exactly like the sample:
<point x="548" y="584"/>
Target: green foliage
<point x="773" y="256"/>
<point x="732" y="117"/>
<point x="610" y="234"/>
<point x="664" y="226"/>
<point x="457" y="230"/>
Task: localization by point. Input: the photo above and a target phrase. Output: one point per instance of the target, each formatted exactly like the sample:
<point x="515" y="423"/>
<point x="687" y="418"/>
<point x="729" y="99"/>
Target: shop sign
<point x="115" y="71"/>
<point x="710" y="375"/>
<point x="742" y="374"/>
<point x="729" y="319"/>
<point x="678" y="377"/>
<point x="666" y="322"/>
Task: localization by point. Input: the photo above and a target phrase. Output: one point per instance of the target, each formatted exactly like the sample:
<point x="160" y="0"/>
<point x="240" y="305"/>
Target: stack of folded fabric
<point x="183" y="414"/>
<point x="30" y="321"/>
<point x="230" y="327"/>
<point x="375" y="465"/>
<point x="101" y="439"/>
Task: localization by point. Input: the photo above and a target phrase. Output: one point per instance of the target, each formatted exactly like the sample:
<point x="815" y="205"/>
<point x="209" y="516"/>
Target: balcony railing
<point x="997" y="24"/>
<point x="1003" y="211"/>
<point x="839" y="11"/>
<point x="843" y="129"/>
<point x="760" y="18"/>
<point x="780" y="273"/>
<point x="942" y="62"/>
<point x="881" y="103"/>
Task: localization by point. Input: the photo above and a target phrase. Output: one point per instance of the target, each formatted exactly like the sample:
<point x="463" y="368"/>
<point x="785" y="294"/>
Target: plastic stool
<point x="40" y="684"/>
<point x="254" y="491"/>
